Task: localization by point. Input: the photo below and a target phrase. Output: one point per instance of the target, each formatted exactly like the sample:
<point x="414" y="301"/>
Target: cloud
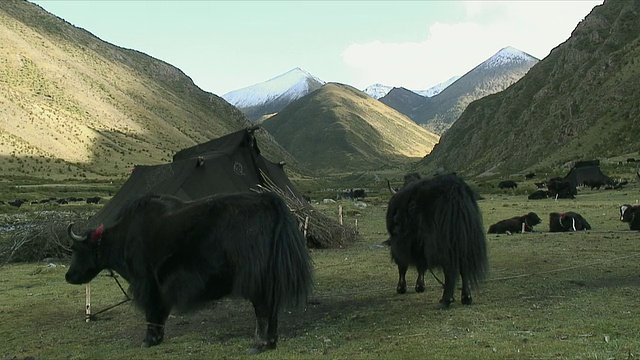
<point x="450" y="49"/>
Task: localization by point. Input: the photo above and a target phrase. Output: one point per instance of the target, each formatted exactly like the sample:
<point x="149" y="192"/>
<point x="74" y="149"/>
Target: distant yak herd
<point x="61" y="201"/>
<point x="559" y="188"/>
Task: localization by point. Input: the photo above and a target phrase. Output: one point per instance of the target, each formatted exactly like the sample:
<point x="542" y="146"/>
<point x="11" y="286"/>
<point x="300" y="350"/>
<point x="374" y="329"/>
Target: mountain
<point x="339" y="128"/>
<point x="578" y="103"/>
<point x="437" y="89"/>
<point x="378" y="91"/>
<point x="495" y="74"/>
<point x="74" y="106"/>
<point x="273" y="95"/>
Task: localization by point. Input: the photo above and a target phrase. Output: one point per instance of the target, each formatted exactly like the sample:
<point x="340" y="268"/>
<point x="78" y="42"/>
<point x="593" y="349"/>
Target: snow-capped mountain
<point x="378" y="91"/>
<point x="274" y="94"/>
<point x="439" y="112"/>
<point x="436" y="89"/>
<point x="507" y="56"/>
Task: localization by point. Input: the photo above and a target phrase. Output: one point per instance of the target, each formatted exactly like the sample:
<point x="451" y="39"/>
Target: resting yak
<point x="569" y="221"/>
<point x="178" y="254"/>
<point x="630" y="214"/>
<point x="516" y="224"/>
<point x="436" y="223"/>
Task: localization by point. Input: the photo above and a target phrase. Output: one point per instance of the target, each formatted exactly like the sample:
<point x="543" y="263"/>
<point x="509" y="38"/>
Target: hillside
<point x="580" y="102"/>
<point x="76" y="106"/>
<point x="438" y="112"/>
<point x="340" y="128"/>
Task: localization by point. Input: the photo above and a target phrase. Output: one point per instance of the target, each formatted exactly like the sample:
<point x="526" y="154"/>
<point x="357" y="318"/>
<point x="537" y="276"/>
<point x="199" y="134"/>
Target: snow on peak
<point x="507" y="55"/>
<point x="293" y="84"/>
<point x="437" y="89"/>
<point x="377" y="91"/>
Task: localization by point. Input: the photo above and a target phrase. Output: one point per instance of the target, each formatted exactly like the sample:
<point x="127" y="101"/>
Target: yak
<point x="507" y="184"/>
<point x="538" y="194"/>
<point x="516" y="224"/>
<point x="408" y="179"/>
<point x="629" y="214"/>
<point x="436" y="223"/>
<point x="177" y="254"/>
<point x="568" y="221"/>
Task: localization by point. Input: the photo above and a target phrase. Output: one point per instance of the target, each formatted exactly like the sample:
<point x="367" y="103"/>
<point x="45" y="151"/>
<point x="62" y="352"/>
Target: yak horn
<point x="390" y="188"/>
<point x="72" y="235"/>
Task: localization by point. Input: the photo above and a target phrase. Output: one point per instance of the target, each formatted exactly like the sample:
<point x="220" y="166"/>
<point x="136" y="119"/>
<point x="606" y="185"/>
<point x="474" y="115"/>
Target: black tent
<point x="586" y="172"/>
<point x="231" y="163"/>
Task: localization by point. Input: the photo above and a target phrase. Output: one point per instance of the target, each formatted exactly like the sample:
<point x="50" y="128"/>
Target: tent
<point x="231" y="163"/>
<point x="586" y="171"/>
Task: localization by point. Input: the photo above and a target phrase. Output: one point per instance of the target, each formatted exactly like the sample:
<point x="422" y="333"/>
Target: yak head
<point x="627" y="212"/>
<point x="85" y="261"/>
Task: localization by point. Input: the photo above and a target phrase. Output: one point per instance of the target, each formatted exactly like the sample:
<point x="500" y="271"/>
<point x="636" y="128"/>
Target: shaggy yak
<point x="630" y="214"/>
<point x="516" y="224"/>
<point x="178" y="254"/>
<point x="436" y="223"/>
<point x="569" y="221"/>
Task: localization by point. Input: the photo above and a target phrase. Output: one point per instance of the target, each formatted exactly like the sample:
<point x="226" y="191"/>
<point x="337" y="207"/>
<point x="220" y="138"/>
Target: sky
<point x="228" y="45"/>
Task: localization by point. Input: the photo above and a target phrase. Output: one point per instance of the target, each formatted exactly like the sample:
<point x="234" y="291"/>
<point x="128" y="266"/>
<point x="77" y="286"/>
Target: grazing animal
<point x="359" y="193"/>
<point x="178" y="254"/>
<point x="17" y="202"/>
<point x="538" y="194"/>
<point x="436" y="223"/>
<point x="516" y="224"/>
<point x="630" y="214"/>
<point x="594" y="184"/>
<point x="507" y="184"/>
<point x="569" y="221"/>
<point x="93" y="200"/>
<point x="562" y="189"/>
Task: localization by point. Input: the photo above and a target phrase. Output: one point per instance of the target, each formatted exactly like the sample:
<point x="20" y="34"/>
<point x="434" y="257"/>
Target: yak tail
<point x="290" y="274"/>
<point x="461" y="222"/>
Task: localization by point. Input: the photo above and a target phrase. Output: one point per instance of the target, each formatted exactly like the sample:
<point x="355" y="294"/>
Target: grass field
<point x="548" y="296"/>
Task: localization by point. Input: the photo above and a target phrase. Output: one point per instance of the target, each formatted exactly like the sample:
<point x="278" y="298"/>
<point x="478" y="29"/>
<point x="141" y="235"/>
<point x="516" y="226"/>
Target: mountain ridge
<point x="572" y="105"/>
<point x="437" y="113"/>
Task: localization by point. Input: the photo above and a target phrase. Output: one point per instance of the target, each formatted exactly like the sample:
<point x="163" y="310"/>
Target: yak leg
<point x="450" y="276"/>
<point x="402" y="282"/>
<point x="266" y="336"/>
<point x="420" y="281"/>
<point x="466" y="292"/>
<point x="156" y="314"/>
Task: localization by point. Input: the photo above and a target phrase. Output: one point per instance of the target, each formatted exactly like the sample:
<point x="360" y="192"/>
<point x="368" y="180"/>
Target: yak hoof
<point x="258" y="348"/>
<point x="444" y="304"/>
<point x="152" y="340"/>
<point x="467" y="300"/>
<point x="420" y="288"/>
<point x="401" y="289"/>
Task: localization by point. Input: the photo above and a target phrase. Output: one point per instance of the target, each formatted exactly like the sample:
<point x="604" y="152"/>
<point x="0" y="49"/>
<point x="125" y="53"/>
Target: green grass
<point x="548" y="296"/>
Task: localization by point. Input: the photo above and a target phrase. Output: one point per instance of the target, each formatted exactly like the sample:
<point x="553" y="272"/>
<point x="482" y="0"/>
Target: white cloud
<point x="454" y="48"/>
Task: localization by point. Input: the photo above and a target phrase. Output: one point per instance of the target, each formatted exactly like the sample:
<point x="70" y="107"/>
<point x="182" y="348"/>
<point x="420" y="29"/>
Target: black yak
<point x="178" y="254"/>
<point x="568" y="221"/>
<point x="538" y="194"/>
<point x="436" y="223"/>
<point x="516" y="224"/>
<point x="408" y="179"/>
<point x="507" y="184"/>
<point x="630" y="214"/>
